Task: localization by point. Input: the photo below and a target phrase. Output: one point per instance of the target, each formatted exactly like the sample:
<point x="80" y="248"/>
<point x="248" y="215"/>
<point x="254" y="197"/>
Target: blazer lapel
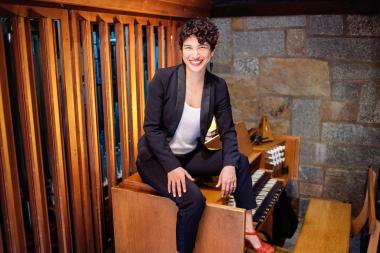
<point x="181" y="93"/>
<point x="205" y="105"/>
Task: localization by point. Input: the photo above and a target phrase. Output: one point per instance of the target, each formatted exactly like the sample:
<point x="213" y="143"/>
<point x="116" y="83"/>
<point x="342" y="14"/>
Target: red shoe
<point x="264" y="248"/>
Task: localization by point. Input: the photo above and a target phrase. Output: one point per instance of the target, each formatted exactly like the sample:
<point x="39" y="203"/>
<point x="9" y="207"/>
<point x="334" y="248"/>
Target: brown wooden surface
<point x="56" y="146"/>
<point x="85" y="196"/>
<point x="92" y="135"/>
<point x="292" y="153"/>
<point x="161" y="47"/>
<point x="134" y="89"/>
<point x="326" y="227"/>
<point x="374" y="239"/>
<point x="372" y="200"/>
<point x="175" y="8"/>
<point x="32" y="145"/>
<point x="9" y="179"/>
<point x="140" y="77"/>
<point x="123" y="96"/>
<point x="140" y="215"/>
<point x="150" y="44"/>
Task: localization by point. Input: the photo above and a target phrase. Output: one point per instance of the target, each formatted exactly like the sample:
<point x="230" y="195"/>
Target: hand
<point x="227" y="179"/>
<point x="177" y="182"/>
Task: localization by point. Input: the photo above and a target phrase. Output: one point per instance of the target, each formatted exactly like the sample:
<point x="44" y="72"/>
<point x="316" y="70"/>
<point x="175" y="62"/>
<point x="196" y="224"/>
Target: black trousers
<point x="201" y="162"/>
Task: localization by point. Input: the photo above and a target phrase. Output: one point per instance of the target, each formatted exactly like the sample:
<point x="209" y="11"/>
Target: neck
<point x="195" y="77"/>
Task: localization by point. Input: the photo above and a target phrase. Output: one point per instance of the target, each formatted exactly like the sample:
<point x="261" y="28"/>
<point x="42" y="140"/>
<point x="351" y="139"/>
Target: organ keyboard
<point x="266" y="192"/>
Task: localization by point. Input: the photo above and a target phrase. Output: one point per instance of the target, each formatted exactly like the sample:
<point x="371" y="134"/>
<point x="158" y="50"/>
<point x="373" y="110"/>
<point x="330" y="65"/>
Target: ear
<point x="212" y="53"/>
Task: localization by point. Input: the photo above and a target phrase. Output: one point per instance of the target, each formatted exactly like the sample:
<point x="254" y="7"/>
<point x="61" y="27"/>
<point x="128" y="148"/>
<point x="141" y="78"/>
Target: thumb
<point x="189" y="176"/>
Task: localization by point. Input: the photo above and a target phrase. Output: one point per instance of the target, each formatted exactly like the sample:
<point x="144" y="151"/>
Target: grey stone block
<point x="369" y="104"/>
<point x="345" y="91"/>
<point x="355" y="71"/>
<point x="307" y="152"/>
<point x="295" y="42"/>
<point x="339" y="111"/>
<point x="306" y="118"/>
<point x="368" y="25"/>
<point x="263" y="43"/>
<point x="326" y="25"/>
<point x="223" y="52"/>
<point x="351" y="156"/>
<point x="275" y="22"/>
<point x="274" y="106"/>
<point x="345" y="185"/>
<point x="311" y="174"/>
<point x="246" y="66"/>
<point x="350" y="133"/>
<point x="310" y="190"/>
<point x="295" y="77"/>
<point x="344" y="48"/>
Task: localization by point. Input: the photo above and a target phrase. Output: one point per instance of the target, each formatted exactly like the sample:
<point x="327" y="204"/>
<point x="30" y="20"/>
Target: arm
<point x="155" y="135"/>
<point x="226" y="128"/>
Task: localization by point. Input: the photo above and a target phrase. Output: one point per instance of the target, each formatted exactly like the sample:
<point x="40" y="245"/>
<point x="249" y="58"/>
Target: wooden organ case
<point x="139" y="212"/>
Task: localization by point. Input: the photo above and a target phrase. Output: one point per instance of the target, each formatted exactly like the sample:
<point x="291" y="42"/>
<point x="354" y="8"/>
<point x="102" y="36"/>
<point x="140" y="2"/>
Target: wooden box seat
<point x="146" y="222"/>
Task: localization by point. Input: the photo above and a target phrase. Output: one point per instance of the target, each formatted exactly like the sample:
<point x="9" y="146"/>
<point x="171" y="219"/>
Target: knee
<point x="193" y="200"/>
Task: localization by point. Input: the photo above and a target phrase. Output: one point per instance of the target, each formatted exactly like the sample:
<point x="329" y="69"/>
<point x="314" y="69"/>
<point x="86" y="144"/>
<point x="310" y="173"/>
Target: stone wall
<point x="314" y="76"/>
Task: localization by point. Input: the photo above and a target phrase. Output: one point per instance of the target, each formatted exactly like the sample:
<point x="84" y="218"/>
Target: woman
<point x="181" y="103"/>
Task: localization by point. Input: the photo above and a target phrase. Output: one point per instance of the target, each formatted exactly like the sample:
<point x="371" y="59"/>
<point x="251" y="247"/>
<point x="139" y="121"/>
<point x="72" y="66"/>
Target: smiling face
<point x="195" y="55"/>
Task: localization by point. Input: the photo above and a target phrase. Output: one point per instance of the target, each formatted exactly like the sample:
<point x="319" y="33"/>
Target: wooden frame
<point x="9" y="179"/>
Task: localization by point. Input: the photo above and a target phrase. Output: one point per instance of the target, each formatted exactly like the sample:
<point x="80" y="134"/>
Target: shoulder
<point x="166" y="73"/>
<point x="218" y="82"/>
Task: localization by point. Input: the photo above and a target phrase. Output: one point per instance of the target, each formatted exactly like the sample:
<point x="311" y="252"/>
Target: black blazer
<point x="163" y="111"/>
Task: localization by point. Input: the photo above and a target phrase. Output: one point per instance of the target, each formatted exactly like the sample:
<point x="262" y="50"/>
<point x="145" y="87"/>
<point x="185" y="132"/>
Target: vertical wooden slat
<point x="71" y="139"/>
<point x="122" y="97"/>
<point x="161" y="47"/>
<point x="178" y="53"/>
<point x="92" y="133"/>
<point x="56" y="146"/>
<point x="30" y="131"/>
<point x="151" y="51"/>
<point x="134" y="85"/>
<point x="107" y="90"/>
<point x="81" y="133"/>
<point x="9" y="179"/>
<point x="1" y="241"/>
<point x="140" y="78"/>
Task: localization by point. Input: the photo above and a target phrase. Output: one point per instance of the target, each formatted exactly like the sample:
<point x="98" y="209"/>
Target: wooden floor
<point x="326" y="228"/>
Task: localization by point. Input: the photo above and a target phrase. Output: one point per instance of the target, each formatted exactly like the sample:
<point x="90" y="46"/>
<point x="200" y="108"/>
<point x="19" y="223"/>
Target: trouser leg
<point x="190" y="205"/>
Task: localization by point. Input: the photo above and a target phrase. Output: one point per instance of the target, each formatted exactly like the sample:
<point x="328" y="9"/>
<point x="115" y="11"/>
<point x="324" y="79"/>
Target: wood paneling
<point x="134" y="88"/>
<point x="150" y="44"/>
<point x="173" y="8"/>
<point x="9" y="179"/>
<point x="92" y="135"/>
<point x="122" y="74"/>
<point x="108" y="111"/>
<point x="30" y="132"/>
<point x="140" y="76"/>
<point x="56" y="146"/>
<point x="72" y="158"/>
<point x="82" y="138"/>
<point x="161" y="47"/>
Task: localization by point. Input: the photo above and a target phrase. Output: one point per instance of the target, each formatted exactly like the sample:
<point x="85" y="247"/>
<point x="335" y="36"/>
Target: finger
<point x="173" y="188"/>
<point x="234" y="187"/>
<point x="228" y="188"/>
<point x="169" y="185"/>
<point x="189" y="176"/>
<point x="219" y="182"/>
<point x="183" y="182"/>
<point x="223" y="189"/>
<point x="179" y="190"/>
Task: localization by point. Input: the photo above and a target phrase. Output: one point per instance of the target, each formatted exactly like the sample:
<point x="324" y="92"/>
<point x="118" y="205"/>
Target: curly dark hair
<point x="203" y="29"/>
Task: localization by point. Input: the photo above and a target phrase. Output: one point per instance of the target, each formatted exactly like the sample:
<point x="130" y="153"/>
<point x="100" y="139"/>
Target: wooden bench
<point x="326" y="228"/>
<point x="145" y="222"/>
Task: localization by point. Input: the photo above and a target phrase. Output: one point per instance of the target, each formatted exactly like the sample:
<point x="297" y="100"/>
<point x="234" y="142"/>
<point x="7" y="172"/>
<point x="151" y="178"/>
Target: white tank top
<point x="186" y="136"/>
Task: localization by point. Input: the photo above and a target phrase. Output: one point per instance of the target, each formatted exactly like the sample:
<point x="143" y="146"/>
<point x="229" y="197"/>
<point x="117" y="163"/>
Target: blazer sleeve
<point x="154" y="134"/>
<point x="226" y="127"/>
